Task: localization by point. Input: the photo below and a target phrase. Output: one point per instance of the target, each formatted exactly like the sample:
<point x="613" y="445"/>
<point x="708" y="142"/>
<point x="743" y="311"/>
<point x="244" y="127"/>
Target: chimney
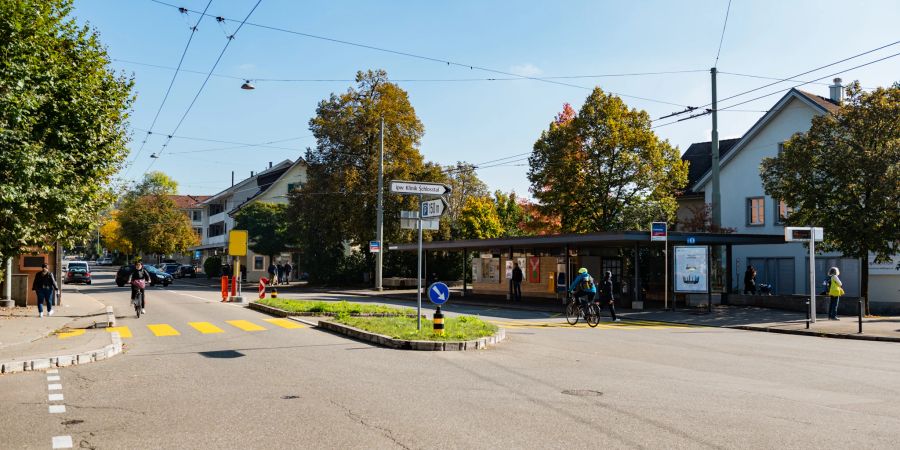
<point x="232" y="178"/>
<point x="836" y="91"/>
<point x="270" y="164"/>
<point x="251" y="174"/>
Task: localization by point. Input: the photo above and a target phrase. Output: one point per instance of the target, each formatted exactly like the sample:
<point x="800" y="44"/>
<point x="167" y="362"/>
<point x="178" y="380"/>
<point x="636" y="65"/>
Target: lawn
<point x="463" y="328"/>
<point x="342" y="307"/>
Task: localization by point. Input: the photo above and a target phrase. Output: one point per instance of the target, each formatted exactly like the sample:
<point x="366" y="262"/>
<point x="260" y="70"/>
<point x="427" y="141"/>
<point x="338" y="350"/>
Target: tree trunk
<point x="864" y="283"/>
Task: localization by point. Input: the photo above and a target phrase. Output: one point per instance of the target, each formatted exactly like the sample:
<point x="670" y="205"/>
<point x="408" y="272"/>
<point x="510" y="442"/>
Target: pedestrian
<point x="280" y="270"/>
<point x="288" y="268"/>
<point x="606" y="295"/>
<point x="835" y="290"/>
<point x="45" y="286"/>
<point x="750" y="280"/>
<point x="517" y="278"/>
<point x="271" y="271"/>
<point x="243" y="273"/>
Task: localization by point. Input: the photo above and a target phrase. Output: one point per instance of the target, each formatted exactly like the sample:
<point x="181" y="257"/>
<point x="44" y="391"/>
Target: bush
<point x="213" y="267"/>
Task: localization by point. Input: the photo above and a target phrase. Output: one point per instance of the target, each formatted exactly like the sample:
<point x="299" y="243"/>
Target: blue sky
<point x="474" y="121"/>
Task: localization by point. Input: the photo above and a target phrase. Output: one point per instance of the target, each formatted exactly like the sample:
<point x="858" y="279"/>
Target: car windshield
<point x="77" y="267"/>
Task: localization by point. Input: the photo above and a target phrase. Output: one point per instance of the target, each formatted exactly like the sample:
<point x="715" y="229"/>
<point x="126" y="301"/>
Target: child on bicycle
<point x="139" y="273"/>
<point x="583" y="287"/>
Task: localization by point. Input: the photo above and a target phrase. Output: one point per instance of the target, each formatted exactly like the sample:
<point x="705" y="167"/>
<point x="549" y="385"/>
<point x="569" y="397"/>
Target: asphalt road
<point x="547" y="386"/>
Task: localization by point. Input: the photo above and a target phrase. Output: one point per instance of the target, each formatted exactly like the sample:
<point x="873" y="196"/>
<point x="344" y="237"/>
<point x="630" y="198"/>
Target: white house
<point x="271" y="185"/>
<point x="747" y="209"/>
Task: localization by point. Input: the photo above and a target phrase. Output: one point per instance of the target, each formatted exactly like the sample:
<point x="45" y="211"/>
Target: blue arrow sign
<point x="438" y="293"/>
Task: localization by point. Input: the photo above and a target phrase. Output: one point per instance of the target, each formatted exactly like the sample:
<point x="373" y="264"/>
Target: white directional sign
<point x="419" y="188"/>
<point x="433" y="208"/>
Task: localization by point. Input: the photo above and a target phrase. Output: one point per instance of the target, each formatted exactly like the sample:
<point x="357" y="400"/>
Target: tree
<point x="464" y="183"/>
<point x="479" y="220"/>
<point x="700" y="221"/>
<point x="63" y="131"/>
<point x="842" y="175"/>
<point x="112" y="237"/>
<point x="510" y="213"/>
<point x="154" y="224"/>
<point x="603" y="169"/>
<point x="154" y="183"/>
<point x="266" y="226"/>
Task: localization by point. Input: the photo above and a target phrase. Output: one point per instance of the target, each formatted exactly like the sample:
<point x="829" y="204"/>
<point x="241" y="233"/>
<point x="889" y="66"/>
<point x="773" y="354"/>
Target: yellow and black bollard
<point x="438" y="321"/>
<point x="274" y="293"/>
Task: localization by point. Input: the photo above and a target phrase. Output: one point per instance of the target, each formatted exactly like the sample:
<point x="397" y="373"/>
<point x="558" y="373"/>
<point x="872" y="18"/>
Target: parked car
<point x="172" y="269"/>
<point x="157" y="276"/>
<point x="77" y="272"/>
<point x="105" y="261"/>
<point x="188" y="270"/>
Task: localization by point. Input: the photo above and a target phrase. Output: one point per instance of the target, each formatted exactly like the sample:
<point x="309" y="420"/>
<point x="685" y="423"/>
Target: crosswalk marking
<point x="285" y="323"/>
<point x="206" y="327"/>
<point x="162" y="329"/>
<point x="124" y="332"/>
<point x="70" y="334"/>
<point x="245" y="325"/>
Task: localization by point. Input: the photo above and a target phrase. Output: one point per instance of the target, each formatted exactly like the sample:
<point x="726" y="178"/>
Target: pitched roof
<point x="187" y="201"/>
<point x="699" y="158"/>
<point x="826" y="103"/>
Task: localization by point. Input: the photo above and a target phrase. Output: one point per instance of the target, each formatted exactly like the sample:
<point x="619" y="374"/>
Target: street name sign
<point x="433" y="208"/>
<point x="438" y="293"/>
<point x="419" y="188"/>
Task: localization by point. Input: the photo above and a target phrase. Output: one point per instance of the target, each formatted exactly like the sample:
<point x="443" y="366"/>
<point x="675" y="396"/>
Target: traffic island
<point x="461" y="333"/>
<point x="314" y="308"/>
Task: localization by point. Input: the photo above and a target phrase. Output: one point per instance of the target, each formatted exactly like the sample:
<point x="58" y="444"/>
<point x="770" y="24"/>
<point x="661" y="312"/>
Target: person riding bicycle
<point x="139" y="278"/>
<point x="583" y="287"/>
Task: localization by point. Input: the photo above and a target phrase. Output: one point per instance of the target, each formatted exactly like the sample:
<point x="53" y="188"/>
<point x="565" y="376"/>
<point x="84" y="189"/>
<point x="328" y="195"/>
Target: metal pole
<point x="419" y="266"/>
<point x="812" y="276"/>
<point x="379" y="232"/>
<point x="807" y="315"/>
<point x="859" y="309"/>
<point x="714" y="147"/>
<point x="8" y="285"/>
<point x="666" y="287"/>
<point x="465" y="255"/>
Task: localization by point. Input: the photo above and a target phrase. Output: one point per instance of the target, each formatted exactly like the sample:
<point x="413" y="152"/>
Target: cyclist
<point x="139" y="273"/>
<point x="583" y="287"/>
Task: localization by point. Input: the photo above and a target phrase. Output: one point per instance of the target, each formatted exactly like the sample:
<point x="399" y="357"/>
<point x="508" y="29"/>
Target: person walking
<point x="606" y="295"/>
<point x="835" y="291"/>
<point x="750" y="280"/>
<point x="517" y="278"/>
<point x="45" y="286"/>
<point x="272" y="269"/>
<point x="288" y="268"/>
<point x="280" y="269"/>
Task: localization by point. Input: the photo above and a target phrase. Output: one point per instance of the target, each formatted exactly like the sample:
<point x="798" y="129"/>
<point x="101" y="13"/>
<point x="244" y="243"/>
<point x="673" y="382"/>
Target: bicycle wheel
<point x="592" y="315"/>
<point x="137" y="305"/>
<point x="572" y="313"/>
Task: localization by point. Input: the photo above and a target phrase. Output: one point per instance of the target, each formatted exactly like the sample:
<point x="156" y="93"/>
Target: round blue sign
<point x="438" y="293"/>
<point x="691" y="240"/>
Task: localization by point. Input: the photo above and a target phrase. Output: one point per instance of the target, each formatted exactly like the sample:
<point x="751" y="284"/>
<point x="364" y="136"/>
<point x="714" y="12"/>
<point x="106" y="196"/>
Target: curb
<point x="32" y="364"/>
<point x="282" y="313"/>
<point x="400" y="344"/>
<point x="460" y="301"/>
<point x="858" y="337"/>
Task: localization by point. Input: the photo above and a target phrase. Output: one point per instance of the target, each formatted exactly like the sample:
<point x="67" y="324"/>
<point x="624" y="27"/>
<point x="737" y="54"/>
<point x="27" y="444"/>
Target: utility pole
<point x="379" y="232"/>
<point x="714" y="148"/>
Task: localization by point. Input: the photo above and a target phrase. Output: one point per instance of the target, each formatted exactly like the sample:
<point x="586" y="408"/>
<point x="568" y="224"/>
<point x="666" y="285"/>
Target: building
<point x="191" y="205"/>
<point x="747" y="209"/>
<point x="217" y="212"/>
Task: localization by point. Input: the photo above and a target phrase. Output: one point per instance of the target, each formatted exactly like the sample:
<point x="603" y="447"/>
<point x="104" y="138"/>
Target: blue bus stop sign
<point x="438" y="293"/>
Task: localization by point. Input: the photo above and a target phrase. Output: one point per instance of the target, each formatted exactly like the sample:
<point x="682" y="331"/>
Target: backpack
<point x="587" y="284"/>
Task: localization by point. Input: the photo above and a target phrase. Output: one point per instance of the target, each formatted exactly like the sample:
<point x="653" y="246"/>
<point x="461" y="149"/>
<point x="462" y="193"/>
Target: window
<point x="292" y="186"/>
<point x="217" y="229"/>
<point x="199" y="232"/>
<point x="756" y="211"/>
<point x="257" y="262"/>
<point x="782" y="211"/>
<point x="780" y="148"/>
<point x="216" y="208"/>
<point x="195" y="215"/>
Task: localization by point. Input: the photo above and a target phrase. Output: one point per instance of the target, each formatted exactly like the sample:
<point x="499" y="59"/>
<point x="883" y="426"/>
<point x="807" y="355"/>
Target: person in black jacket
<point x="517" y="278"/>
<point x="139" y="273"/>
<point x="44" y="285"/>
<point x="606" y="295"/>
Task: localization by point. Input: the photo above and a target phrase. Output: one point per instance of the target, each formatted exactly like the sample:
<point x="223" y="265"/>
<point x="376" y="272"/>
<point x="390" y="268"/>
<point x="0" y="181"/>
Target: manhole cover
<point x="289" y="397"/>
<point x="582" y="393"/>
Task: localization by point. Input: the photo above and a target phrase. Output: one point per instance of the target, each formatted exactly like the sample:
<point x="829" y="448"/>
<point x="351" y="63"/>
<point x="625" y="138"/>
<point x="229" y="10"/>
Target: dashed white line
<point x="55" y="387"/>
<point x="52" y="371"/>
<point x="57" y="409"/>
<point x="53" y="378"/>
<point x="62" y="441"/>
<point x="55" y="397"/>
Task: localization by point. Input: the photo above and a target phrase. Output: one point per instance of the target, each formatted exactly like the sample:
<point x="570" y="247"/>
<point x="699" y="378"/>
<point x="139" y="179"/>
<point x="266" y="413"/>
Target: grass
<point x="342" y="307"/>
<point x="463" y="328"/>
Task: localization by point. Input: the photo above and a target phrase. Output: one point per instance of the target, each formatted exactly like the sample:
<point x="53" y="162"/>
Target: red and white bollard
<point x="262" y="287"/>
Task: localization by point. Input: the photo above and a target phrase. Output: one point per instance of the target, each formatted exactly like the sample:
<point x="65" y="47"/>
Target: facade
<point x="217" y="217"/>
<point x="191" y="205"/>
<point x="747" y="209"/>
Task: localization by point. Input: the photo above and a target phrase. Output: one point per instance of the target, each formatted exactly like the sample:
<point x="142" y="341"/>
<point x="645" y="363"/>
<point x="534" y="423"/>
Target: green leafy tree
<point x="510" y="214"/>
<point x="63" y="132"/>
<point x="465" y="184"/>
<point x="603" y="169"/>
<point x="479" y="219"/>
<point x="843" y="175"/>
<point x="266" y="225"/>
<point x="154" y="183"/>
<point x="152" y="222"/>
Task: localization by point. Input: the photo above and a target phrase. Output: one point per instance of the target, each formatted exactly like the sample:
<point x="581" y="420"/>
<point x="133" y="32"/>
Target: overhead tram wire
<point x="427" y="58"/>
<point x="722" y="38"/>
<point x="171" y="83"/>
<point x="199" y="91"/>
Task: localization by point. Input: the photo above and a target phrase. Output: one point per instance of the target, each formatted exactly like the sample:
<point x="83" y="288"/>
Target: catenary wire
<point x="722" y="38"/>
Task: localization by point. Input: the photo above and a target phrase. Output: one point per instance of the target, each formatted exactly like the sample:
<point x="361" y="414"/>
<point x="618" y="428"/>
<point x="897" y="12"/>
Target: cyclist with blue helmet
<point x="583" y="287"/>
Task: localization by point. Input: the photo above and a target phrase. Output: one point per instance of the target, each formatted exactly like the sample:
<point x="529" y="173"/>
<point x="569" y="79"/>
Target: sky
<point x="467" y="117"/>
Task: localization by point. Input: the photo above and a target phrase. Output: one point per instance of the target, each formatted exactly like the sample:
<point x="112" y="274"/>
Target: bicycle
<point x="138" y="299"/>
<point x="576" y="310"/>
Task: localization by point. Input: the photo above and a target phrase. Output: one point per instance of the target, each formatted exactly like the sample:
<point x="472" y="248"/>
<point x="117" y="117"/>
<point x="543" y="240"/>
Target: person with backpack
<point x="835" y="291"/>
<point x="583" y="287"/>
<point x="606" y="295"/>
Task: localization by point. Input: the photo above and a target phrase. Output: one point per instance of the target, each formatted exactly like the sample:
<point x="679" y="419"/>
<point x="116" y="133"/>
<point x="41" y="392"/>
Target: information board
<point x="691" y="269"/>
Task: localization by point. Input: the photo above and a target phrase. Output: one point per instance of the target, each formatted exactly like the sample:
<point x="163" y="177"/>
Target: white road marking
<point x="55" y="387"/>
<point x="189" y="295"/>
<point x="62" y="441"/>
<point x="53" y="378"/>
<point x="52" y="371"/>
<point x="57" y="409"/>
<point x="55" y="397"/>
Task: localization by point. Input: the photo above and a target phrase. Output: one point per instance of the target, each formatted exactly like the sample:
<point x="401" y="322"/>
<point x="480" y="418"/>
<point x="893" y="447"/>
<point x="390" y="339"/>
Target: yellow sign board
<point x="237" y="243"/>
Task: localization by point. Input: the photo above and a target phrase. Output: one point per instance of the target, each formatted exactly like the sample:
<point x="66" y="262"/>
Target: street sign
<point x="237" y="242"/>
<point x="418" y="188"/>
<point x="374" y="246"/>
<point x="691" y="240"/>
<point x="658" y="231"/>
<point x="438" y="293"/>
<point x="433" y="208"/>
<point x="409" y="220"/>
<point x="802" y="234"/>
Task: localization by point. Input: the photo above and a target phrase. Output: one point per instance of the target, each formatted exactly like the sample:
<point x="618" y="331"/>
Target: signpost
<point x="237" y="247"/>
<point x="427" y="209"/>
<point x="811" y="235"/>
<point x="438" y="293"/>
<point x="374" y="247"/>
<point x="659" y="231"/>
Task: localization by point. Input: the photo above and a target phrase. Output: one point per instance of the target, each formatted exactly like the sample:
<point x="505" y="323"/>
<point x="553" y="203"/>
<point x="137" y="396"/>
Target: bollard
<point x="262" y="288"/>
<point x="224" y="288"/>
<point x="859" y="308"/>
<point x="807" y="314"/>
<point x="438" y="321"/>
<point x="274" y="293"/>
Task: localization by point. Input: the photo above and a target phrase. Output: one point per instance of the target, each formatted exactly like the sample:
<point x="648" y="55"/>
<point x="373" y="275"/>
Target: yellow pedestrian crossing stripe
<point x="70" y="334"/>
<point x="206" y="327"/>
<point x="123" y="331"/>
<point x="285" y="323"/>
<point x="245" y="325"/>
<point x="163" y="329"/>
<point x="605" y="324"/>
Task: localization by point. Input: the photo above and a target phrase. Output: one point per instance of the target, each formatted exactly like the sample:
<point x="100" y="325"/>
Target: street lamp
<point x="247" y="86"/>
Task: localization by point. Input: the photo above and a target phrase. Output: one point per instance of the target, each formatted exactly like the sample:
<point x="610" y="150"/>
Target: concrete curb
<point x="400" y="344"/>
<point x="460" y="301"/>
<point x="282" y="313"/>
<point x="31" y="364"/>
